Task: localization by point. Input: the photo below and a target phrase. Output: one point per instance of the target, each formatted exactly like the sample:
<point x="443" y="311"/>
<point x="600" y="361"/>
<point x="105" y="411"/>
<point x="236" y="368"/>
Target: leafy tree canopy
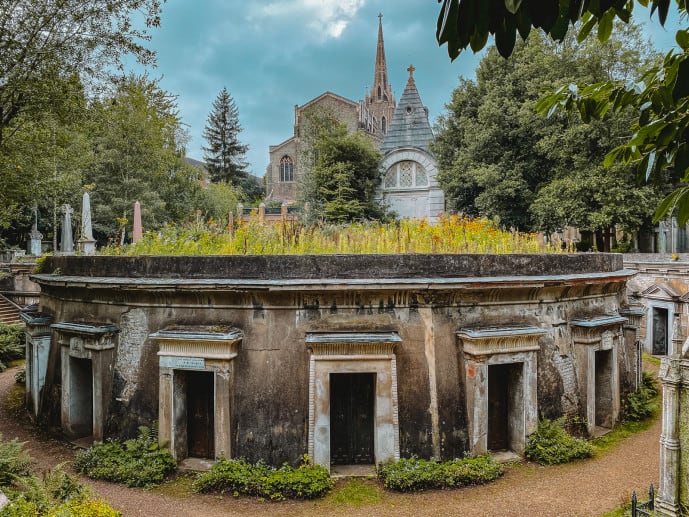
<point x="499" y="158"/>
<point x="343" y="174"/>
<point x="658" y="96"/>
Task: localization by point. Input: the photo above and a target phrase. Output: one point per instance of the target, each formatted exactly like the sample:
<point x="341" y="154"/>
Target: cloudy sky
<point x="273" y="54"/>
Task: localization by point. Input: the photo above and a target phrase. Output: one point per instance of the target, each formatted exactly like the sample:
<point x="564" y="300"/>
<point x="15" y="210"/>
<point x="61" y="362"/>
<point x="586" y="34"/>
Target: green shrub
<point x="137" y="462"/>
<point x="412" y="474"/>
<point x="56" y="494"/>
<point x="11" y="344"/>
<point x="14" y="461"/>
<point x="551" y="445"/>
<point x="642" y="403"/>
<point x="307" y="481"/>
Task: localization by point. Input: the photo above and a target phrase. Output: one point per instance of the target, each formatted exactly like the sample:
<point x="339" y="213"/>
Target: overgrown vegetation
<point x="643" y="403"/>
<point x="11" y="344"/>
<point x="54" y="494"/>
<point x="413" y="474"/>
<point x="552" y="445"/>
<point x="14" y="461"/>
<point x="452" y="234"/>
<point x="307" y="481"/>
<point x="137" y="462"/>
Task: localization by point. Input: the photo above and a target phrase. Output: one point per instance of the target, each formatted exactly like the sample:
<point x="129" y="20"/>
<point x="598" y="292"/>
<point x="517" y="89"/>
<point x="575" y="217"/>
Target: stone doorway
<point x="200" y="421"/>
<point x="659" y="331"/>
<point x="367" y="362"/>
<point x="505" y="406"/>
<point x="604" y="394"/>
<point x="81" y="399"/>
<point x="351" y="418"/>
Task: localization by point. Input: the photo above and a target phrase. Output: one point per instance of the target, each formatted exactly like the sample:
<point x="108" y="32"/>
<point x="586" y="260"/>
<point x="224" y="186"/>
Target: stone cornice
<point x="499" y="340"/>
<point x="199" y="342"/>
<point x="345" y="344"/>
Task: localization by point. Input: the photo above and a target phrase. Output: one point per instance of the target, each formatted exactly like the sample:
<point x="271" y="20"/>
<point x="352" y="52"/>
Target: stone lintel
<point x="202" y="342"/>
<point x="353" y="343"/>
<point x="93" y="337"/>
<point x="85" y="329"/>
<point x="601" y="321"/>
<point x="500" y="340"/>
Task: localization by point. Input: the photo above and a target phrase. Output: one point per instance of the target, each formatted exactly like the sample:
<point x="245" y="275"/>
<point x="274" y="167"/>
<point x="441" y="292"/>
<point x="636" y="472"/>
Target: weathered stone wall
<point x="276" y="301"/>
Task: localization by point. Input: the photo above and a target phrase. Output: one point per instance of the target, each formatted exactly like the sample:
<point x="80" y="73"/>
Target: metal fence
<point x="643" y="509"/>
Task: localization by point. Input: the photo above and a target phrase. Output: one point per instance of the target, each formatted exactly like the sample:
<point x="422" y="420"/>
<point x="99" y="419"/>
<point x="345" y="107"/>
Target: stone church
<point x="401" y="131"/>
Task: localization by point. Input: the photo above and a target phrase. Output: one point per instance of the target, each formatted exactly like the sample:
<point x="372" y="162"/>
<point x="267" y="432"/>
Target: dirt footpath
<point x="585" y="488"/>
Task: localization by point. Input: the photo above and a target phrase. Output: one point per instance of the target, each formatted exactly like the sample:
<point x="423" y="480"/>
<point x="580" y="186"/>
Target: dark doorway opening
<point x="604" y="389"/>
<point x="81" y="397"/>
<point x="200" y="414"/>
<point x="505" y="406"/>
<point x="351" y="418"/>
<point x="660" y="331"/>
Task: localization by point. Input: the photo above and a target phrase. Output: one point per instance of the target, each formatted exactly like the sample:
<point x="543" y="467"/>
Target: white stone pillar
<point x="667" y="502"/>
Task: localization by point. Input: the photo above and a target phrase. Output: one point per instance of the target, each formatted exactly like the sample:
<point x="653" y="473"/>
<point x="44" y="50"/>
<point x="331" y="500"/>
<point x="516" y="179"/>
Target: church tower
<point x="380" y="100"/>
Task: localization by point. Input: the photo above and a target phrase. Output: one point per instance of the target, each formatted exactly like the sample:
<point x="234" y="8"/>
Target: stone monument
<point x="67" y="241"/>
<point x="35" y="237"/>
<point x="87" y="244"/>
<point x="137" y="231"/>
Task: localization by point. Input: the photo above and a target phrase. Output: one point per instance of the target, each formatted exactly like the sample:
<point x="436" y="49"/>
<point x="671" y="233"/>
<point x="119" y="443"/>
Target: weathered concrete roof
<point x="328" y="268"/>
<point x="409" y="126"/>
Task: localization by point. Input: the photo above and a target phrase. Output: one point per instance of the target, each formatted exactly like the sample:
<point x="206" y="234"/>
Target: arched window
<point x="384" y="125"/>
<point x="404" y="175"/>
<point x="379" y="92"/>
<point x="286" y="169"/>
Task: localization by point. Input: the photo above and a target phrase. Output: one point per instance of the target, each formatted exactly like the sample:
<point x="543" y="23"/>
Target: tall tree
<point x="498" y="157"/>
<point x="84" y="38"/>
<point x="343" y="172"/>
<point x="138" y="156"/>
<point x="659" y="136"/>
<point x="225" y="156"/>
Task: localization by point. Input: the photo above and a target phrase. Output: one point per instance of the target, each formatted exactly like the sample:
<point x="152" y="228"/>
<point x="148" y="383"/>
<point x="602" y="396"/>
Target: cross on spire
<point x="380" y="17"/>
<point x="411" y="71"/>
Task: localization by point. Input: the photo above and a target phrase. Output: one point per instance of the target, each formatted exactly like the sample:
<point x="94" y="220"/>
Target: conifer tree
<point x="225" y="156"/>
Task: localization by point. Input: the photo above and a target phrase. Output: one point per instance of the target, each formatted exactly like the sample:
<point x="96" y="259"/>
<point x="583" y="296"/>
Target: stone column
<point x="87" y="243"/>
<point x="137" y="231"/>
<point x="476" y="380"/>
<point x="667" y="502"/>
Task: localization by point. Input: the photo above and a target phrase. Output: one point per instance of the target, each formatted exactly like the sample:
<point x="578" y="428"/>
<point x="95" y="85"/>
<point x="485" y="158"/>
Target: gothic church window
<point x="286" y="169"/>
<point x="404" y="175"/>
<point x="379" y="93"/>
<point x="384" y="125"/>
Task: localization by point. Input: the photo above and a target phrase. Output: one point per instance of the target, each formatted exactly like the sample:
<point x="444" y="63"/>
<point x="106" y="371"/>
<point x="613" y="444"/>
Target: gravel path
<point x="585" y="488"/>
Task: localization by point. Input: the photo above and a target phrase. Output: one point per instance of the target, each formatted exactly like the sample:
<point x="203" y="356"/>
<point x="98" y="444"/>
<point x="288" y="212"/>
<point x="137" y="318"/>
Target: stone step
<point x="9" y="312"/>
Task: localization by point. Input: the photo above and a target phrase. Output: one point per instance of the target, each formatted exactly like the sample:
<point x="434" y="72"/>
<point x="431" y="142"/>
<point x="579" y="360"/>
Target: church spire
<point x="380" y="101"/>
<point x="380" y="77"/>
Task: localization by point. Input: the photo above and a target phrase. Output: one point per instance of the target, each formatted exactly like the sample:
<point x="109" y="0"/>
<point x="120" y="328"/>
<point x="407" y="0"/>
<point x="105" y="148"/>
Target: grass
<point x="178" y="486"/>
<point x="355" y="492"/>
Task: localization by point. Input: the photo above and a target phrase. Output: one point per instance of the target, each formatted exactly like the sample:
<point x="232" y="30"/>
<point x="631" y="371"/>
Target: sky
<point x="274" y="54"/>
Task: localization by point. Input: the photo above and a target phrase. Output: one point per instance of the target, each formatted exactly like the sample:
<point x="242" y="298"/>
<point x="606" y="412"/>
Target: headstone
<point x="3" y="500"/>
<point x="67" y="242"/>
<point x="35" y="237"/>
<point x="138" y="231"/>
<point x="87" y="242"/>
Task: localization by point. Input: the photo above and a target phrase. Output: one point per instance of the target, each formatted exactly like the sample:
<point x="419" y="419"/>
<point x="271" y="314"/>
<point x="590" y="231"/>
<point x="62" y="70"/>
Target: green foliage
<point x="14" y="461"/>
<point x="136" y="462"/>
<point x="219" y="200"/>
<point x="499" y="159"/>
<point x="413" y="474"/>
<point x="225" y="156"/>
<point x="307" y="481"/>
<point x="56" y="494"/>
<point x="452" y="234"/>
<point x="463" y="24"/>
<point x="356" y="492"/>
<point x="551" y="445"/>
<point x="12" y="344"/>
<point x="643" y="403"/>
<point x="342" y="171"/>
